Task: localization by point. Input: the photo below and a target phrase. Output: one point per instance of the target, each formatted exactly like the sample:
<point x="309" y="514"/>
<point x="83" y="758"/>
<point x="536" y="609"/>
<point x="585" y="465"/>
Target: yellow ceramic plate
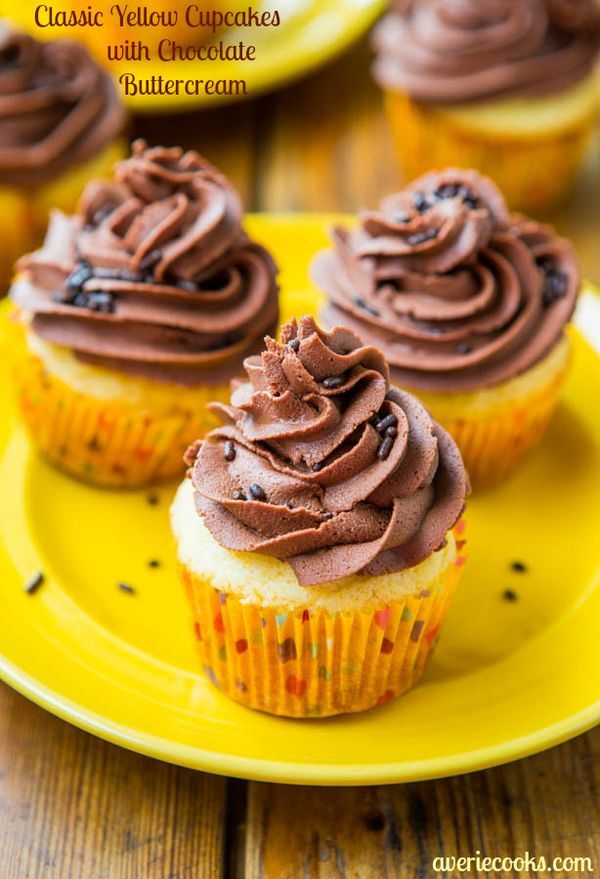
<point x="510" y="677"/>
<point x="311" y="32"/>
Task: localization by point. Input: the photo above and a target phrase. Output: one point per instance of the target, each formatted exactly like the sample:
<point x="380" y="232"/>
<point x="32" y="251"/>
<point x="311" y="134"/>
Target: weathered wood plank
<point x="72" y="807"/>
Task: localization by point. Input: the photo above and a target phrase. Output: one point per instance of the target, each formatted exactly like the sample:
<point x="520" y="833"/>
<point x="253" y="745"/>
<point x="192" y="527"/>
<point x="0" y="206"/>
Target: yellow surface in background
<point x="509" y="678"/>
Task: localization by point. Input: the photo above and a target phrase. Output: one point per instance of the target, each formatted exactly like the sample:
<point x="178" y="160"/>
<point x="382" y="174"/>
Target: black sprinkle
<point x="229" y="451"/>
<point x="113" y="274"/>
<point x="125" y="587"/>
<point x="33" y="584"/>
<point x="150" y="260"/>
<point x="294" y="344"/>
<point x="239" y="496"/>
<point x="518" y="567"/>
<point x="154" y="563"/>
<point x="81" y="300"/>
<point x="470" y="200"/>
<point x="100" y="301"/>
<point x="333" y="381"/>
<point x="421" y="237"/>
<point x="78" y="277"/>
<point x="401" y="217"/>
<point x="509" y="595"/>
<point x="153" y="499"/>
<point x="327" y="515"/>
<point x="448" y="190"/>
<point x="257" y="492"/>
<point x="392" y="431"/>
<point x="419" y="201"/>
<point x="555" y="287"/>
<point x="188" y="286"/>
<point x="388" y="421"/>
<point x="365" y="307"/>
<point x="62" y="298"/>
<point x="385" y="448"/>
<point x="461" y="348"/>
<point x="317" y="466"/>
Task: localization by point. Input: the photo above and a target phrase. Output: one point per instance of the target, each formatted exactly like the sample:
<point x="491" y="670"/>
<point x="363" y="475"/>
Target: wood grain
<point x="547" y="805"/>
<point x="73" y="807"/>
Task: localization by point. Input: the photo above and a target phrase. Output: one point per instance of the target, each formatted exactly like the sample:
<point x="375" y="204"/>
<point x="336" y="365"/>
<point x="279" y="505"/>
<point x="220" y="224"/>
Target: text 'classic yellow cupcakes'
<point x="468" y="304"/>
<point x="504" y="86"/>
<point x="61" y="122"/>
<point x="136" y="312"/>
<point x="319" y="533"/>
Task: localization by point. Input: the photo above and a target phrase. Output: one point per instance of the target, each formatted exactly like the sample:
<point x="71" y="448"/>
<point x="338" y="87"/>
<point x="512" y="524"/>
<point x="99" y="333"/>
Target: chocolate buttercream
<point x="452" y="51"/>
<point x="57" y="108"/>
<point x="319" y="461"/>
<point x="458" y="293"/>
<point x="155" y="274"/>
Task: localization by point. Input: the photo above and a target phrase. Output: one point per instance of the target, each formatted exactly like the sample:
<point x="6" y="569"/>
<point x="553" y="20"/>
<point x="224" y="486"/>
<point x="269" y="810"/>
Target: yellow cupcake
<point x="319" y="534"/>
<point x="468" y="303"/>
<point x="62" y="122"/>
<point x="496" y="427"/>
<point x="532" y="149"/>
<point x="135" y="314"/>
<point x="511" y="92"/>
<point x="105" y="427"/>
<point x="335" y="648"/>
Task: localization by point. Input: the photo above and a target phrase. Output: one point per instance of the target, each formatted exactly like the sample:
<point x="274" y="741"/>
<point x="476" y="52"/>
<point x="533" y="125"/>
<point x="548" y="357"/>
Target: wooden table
<point x="73" y="807"/>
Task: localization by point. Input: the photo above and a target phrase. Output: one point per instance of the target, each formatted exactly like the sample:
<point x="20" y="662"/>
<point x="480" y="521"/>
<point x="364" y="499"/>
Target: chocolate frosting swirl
<point x="155" y="275"/>
<point x="458" y="293"/>
<point x="450" y="51"/>
<point x="57" y="108"/>
<point x="321" y="462"/>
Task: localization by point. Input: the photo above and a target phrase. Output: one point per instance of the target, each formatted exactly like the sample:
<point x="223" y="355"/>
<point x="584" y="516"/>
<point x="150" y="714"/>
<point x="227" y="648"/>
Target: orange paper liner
<point x="106" y="442"/>
<point x="533" y="173"/>
<point x="317" y="663"/>
<point x="494" y="445"/>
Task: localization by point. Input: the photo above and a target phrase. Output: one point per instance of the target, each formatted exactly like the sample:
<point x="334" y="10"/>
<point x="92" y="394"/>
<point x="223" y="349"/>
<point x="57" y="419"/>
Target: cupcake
<point x="319" y="531"/>
<point x="506" y="87"/>
<point x="61" y="121"/>
<point x="468" y="304"/>
<point x="138" y="310"/>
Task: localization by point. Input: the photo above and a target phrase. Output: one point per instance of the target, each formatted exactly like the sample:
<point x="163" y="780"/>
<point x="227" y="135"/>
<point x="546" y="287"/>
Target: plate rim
<point x="286" y="772"/>
<point x="293" y="772"/>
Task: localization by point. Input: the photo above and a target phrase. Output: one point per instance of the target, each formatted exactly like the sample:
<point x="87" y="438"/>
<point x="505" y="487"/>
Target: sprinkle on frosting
<point x="155" y="274"/>
<point x="309" y="481"/>
<point x="458" y="293"/>
<point x="450" y="51"/>
<point x="57" y="108"/>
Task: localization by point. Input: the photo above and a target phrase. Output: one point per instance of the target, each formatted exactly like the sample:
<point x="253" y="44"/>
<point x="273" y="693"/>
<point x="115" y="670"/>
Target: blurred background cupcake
<point x="504" y="86"/>
<point x="319" y="534"/>
<point x="136" y="311"/>
<point x="469" y="305"/>
<point x="61" y="122"/>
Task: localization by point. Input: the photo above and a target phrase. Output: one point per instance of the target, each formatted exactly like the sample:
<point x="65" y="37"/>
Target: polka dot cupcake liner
<point x="494" y="444"/>
<point x="315" y="663"/>
<point x="533" y="173"/>
<point x="109" y="443"/>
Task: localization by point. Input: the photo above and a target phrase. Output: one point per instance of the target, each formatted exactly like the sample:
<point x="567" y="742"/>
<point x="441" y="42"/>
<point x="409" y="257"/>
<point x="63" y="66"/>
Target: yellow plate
<point x="311" y="32"/>
<point x="510" y="678"/>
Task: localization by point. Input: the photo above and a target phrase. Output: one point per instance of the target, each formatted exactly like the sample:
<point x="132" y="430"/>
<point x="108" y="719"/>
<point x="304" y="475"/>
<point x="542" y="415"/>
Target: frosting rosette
<point x="154" y="275"/>
<point x="57" y="108"/>
<point x="450" y="51"/>
<point x="321" y="462"/>
<point x="458" y="293"/>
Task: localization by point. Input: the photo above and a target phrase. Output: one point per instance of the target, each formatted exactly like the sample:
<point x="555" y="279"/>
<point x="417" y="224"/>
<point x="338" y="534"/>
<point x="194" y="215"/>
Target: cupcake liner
<point x="533" y="173"/>
<point x="108" y="442"/>
<point x="494" y="443"/>
<point x="309" y="662"/>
